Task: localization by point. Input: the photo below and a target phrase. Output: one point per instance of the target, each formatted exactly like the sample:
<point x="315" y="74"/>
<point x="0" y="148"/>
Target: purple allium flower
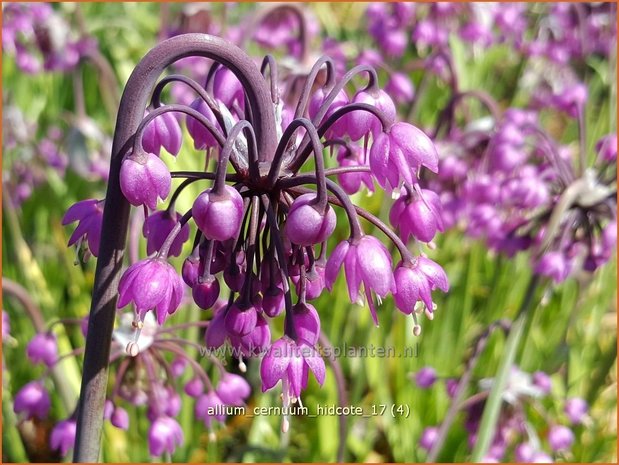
<point x="451" y="385"/>
<point x="254" y="343"/>
<point x="151" y="284"/>
<point x="233" y="389"/>
<point x="428" y="438"/>
<point x="351" y="182"/>
<point x="164" y="435"/>
<point x="290" y="362"/>
<point x="553" y="265"/>
<point x="541" y="457"/>
<point x="606" y="148"/>
<point x="571" y="99"/>
<point x="194" y="387"/>
<point x="158" y="226"/>
<point x="576" y="409"/>
<point x="89" y="213"/>
<point x="418" y="215"/>
<point x="240" y="319"/>
<point x="178" y="366"/>
<point x="43" y="348"/>
<point x="400" y="87"/>
<point x="202" y="137"/>
<point x="560" y="438"/>
<point x="542" y="381"/>
<point x="32" y="400"/>
<point x="524" y="452"/>
<point x="108" y="409"/>
<point x="416" y="281"/>
<point x="144" y="178"/>
<point x="62" y="437"/>
<point x="120" y="418"/>
<point x="426" y="377"/>
<point x="341" y="99"/>
<point x="306" y="224"/>
<point x="362" y="123"/>
<point x="219" y="215"/>
<point x="306" y="322"/>
<point x="209" y="407"/>
<point x="164" y="131"/>
<point x="206" y="293"/>
<point x="227" y="88"/>
<point x="398" y="155"/>
<point x="366" y="261"/>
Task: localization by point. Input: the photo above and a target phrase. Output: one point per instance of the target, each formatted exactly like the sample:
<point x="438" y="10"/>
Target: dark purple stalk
<point x="116" y="212"/>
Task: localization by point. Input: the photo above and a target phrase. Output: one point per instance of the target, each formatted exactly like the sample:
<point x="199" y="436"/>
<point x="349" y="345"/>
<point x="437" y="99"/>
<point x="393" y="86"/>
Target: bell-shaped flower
<point x="89" y="213"/>
<point x="151" y="284"/>
<point x="164" y="435"/>
<point x="164" y="131"/>
<point x="144" y="178"/>
<point x="156" y="229"/>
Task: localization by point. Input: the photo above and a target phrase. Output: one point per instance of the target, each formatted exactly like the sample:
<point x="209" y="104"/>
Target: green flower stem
<point x="492" y="409"/>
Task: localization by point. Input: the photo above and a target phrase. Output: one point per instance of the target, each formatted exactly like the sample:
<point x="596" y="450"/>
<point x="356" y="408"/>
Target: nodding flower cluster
<point x="263" y="230"/>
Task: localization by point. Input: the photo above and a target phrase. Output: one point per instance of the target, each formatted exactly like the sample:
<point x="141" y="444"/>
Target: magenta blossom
<point x="164" y="435"/>
<point x="89" y="213"/>
<point x="63" y="436"/>
<point x="233" y="389"/>
<point x="151" y="284"/>
<point x="32" y="400"/>
<point x="208" y="407"/>
<point x="144" y="178"/>
<point x="43" y="348"/>
<point x="418" y="215"/>
<point x="397" y="155"/>
<point x="164" y="131"/>
<point x="366" y="261"/>
<point x="156" y="229"/>
<point x="416" y="281"/>
<point x="291" y="363"/>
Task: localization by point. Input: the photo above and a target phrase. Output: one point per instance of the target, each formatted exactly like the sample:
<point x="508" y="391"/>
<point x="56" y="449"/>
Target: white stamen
<point x="132" y="349"/>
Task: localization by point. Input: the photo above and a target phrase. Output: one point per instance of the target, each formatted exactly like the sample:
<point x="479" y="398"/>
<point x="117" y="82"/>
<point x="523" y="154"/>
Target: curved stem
<point x="317" y="149"/>
<point x="269" y="62"/>
<point x="165" y="248"/>
<point x="202" y="93"/>
<point x="310" y="80"/>
<point x="304" y="151"/>
<point x="228" y="151"/>
<point x="116" y="212"/>
<point x="178" y="191"/>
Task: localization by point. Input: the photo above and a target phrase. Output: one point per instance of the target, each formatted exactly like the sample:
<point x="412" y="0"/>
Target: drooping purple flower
<point x="43" y="348"/>
<point x="606" y="148"/>
<point x="164" y="435"/>
<point x="542" y="381"/>
<point x="291" y="362"/>
<point x="32" y="400"/>
<point x="120" y="418"/>
<point x="340" y="127"/>
<point x="576" y="409"/>
<point x="352" y="182"/>
<point x="194" y="387"/>
<point x="202" y="137"/>
<point x="233" y="389"/>
<point x="217" y="215"/>
<point x="89" y="213"/>
<point x="400" y="87"/>
<point x="418" y="215"/>
<point x="205" y="293"/>
<point x="227" y="88"/>
<point x="156" y="229"/>
<point x="553" y="265"/>
<point x="209" y="407"/>
<point x="306" y="225"/>
<point x="62" y="437"/>
<point x="398" y="155"/>
<point x="524" y="452"/>
<point x="306" y="322"/>
<point x="241" y="320"/>
<point x="366" y="262"/>
<point x="428" y="438"/>
<point x="416" y="281"/>
<point x="151" y="284"/>
<point x="164" y="131"/>
<point x="560" y="438"/>
<point x="362" y="123"/>
<point x="426" y="377"/>
<point x="144" y="178"/>
<point x="256" y="342"/>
